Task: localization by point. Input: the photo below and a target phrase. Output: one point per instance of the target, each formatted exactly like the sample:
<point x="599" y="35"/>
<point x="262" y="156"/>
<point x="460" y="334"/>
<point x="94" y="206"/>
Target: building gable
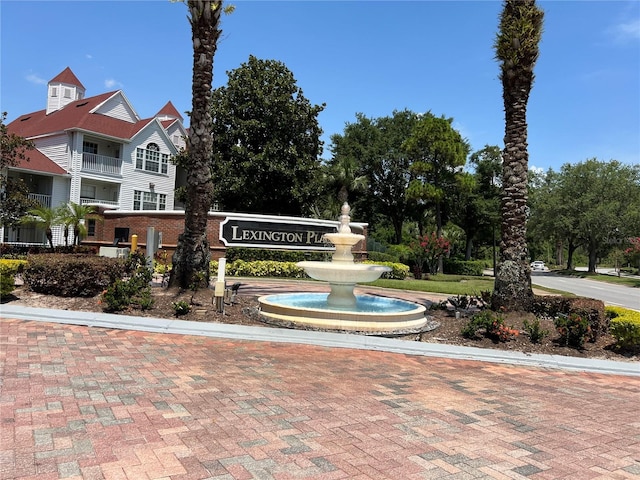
<point x="118" y="107"/>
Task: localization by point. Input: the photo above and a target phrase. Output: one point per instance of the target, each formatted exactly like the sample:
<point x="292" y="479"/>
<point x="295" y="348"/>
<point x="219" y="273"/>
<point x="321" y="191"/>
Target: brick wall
<point x="171" y="224"/>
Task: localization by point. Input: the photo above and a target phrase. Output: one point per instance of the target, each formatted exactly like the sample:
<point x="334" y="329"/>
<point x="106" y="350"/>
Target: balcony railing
<point x="43" y="200"/>
<point x="97" y="201"/>
<point x="101" y="164"/>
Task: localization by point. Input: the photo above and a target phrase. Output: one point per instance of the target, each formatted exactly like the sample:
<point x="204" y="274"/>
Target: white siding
<point x="176" y="134"/>
<point x="56" y="148"/>
<point x="64" y="94"/>
<point x="133" y="179"/>
<point x="76" y="166"/>
<point x="117" y="107"/>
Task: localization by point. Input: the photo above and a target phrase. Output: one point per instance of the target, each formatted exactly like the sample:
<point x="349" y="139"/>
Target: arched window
<point x="151" y="160"/>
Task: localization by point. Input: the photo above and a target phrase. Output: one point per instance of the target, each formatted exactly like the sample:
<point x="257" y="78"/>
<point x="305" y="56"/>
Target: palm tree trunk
<point x="49" y="234"/>
<point x="192" y="256"/>
<point x="517" y="48"/>
<point x="513" y="277"/>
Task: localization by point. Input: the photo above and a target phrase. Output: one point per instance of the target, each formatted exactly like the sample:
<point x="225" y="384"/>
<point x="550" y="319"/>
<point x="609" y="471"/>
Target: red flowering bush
<point x="632" y="254"/>
<point x="574" y="330"/>
<point x="428" y="249"/>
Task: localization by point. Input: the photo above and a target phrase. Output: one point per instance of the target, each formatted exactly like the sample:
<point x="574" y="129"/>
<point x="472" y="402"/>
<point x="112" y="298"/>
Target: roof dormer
<point x="63" y="89"/>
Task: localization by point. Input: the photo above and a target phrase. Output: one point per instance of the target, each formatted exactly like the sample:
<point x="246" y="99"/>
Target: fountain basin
<point x="342" y="278"/>
<point x="346" y="273"/>
<point x="370" y="315"/>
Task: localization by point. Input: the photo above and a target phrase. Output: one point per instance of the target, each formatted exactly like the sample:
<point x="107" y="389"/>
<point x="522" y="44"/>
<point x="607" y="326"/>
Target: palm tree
<point x="192" y="256"/>
<point x="45" y="218"/>
<point x="342" y="178"/>
<point x="517" y="50"/>
<point x="74" y="216"/>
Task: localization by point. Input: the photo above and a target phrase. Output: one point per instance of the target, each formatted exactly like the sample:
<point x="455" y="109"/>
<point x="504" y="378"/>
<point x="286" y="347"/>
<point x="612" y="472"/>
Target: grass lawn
<point x="629" y="282"/>
<point x="449" y="284"/>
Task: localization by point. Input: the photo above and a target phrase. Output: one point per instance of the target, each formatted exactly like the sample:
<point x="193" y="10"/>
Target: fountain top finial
<point x="345" y="219"/>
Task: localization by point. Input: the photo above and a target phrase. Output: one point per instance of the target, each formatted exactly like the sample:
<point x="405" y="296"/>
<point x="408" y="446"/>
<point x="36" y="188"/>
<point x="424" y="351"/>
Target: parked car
<point x="538" y="266"/>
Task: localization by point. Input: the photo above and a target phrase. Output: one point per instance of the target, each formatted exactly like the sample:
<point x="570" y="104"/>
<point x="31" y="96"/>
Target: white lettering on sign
<point x="274" y="236"/>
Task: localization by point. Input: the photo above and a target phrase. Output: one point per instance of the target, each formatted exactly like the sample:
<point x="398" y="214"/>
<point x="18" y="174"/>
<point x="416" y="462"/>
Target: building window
<point x="91" y="227"/>
<point x="54" y="92"/>
<point x="149" y="200"/>
<point x="90" y="147"/>
<point x="67" y="93"/>
<point x="88" y="191"/>
<point x="151" y="160"/>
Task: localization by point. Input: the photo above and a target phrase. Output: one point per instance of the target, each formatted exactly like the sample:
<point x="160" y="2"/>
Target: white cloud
<point x="112" y="83"/>
<point x="35" y="79"/>
<point x="88" y="56"/>
<point x="626" y="31"/>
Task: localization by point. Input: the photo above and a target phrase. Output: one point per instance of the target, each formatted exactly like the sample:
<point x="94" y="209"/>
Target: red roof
<point x="170" y="111"/>
<point x="76" y="115"/>
<point x="67" y="76"/>
<point x="40" y="163"/>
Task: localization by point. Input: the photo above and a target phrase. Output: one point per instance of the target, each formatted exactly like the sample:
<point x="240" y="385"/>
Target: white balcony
<point x="99" y="202"/>
<point x="101" y="164"/>
<point x="43" y="200"/>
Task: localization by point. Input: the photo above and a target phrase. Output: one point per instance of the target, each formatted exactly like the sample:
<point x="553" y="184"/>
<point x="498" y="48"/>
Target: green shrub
<point x="116" y="297"/>
<point x="625" y="326"/>
<point x="13" y="263"/>
<point x="134" y="290"/>
<point x="8" y="271"/>
<point x="71" y="275"/>
<point x="491" y="325"/>
<point x="463" y="267"/>
<point x="275" y="255"/>
<point x="277" y="269"/>
<point x="264" y="268"/>
<point x="379" y="257"/>
<point x="551" y="306"/>
<point x="399" y="271"/>
<point x="534" y="330"/>
<point x="181" y="307"/>
<point x="574" y="330"/>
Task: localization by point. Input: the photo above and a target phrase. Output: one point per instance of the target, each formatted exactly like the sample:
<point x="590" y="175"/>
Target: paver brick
<point x="102" y="404"/>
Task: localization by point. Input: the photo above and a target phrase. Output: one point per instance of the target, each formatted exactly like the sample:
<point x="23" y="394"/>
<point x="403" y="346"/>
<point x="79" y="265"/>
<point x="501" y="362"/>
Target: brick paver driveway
<point x="89" y="403"/>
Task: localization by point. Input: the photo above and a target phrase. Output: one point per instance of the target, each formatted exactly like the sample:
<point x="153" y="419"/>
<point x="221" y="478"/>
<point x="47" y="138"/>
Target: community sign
<point x="293" y="235"/>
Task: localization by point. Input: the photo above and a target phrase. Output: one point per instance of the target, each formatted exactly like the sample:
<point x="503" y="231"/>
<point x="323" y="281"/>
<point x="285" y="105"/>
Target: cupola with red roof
<point x="169" y="112"/>
<point x="63" y="89"/>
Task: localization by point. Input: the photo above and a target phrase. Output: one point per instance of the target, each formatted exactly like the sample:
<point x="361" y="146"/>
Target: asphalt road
<point x="610" y="294"/>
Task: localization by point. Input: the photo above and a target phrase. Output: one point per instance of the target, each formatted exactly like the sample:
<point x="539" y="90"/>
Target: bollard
<point x="134" y="243"/>
<point x="219" y="288"/>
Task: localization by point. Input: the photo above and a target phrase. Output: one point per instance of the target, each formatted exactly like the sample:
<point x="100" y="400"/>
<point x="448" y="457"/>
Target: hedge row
<point x="262" y="254"/>
<point x="555" y="306"/>
<point x="463" y="267"/>
<point x="8" y="271"/>
<point x="268" y="268"/>
<point x="72" y="275"/>
<point x="625" y="326"/>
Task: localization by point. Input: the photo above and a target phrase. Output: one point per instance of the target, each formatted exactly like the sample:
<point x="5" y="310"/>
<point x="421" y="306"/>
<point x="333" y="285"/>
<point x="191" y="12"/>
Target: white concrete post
<point x="220" y="285"/>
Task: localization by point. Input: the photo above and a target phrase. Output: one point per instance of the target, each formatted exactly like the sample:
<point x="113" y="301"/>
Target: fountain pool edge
<point x="410" y="320"/>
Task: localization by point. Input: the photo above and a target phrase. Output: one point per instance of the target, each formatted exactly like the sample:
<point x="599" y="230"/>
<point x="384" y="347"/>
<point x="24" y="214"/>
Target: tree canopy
<point x="593" y="204"/>
<point x="375" y="146"/>
<point x="266" y="141"/>
<point x="14" y="193"/>
<point x="438" y="152"/>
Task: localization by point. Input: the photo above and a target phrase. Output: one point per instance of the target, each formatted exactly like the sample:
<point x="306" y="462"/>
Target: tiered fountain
<point x="341" y="309"/>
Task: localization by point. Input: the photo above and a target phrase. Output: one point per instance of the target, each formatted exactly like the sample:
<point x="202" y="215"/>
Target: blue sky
<point x="371" y="57"/>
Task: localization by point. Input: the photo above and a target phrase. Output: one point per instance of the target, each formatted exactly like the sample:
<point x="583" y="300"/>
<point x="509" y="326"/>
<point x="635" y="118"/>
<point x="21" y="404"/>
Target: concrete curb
<point x="325" y="339"/>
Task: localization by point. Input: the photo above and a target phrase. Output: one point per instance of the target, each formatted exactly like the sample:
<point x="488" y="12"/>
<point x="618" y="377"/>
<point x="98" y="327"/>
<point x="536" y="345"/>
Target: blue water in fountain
<point x="364" y="303"/>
